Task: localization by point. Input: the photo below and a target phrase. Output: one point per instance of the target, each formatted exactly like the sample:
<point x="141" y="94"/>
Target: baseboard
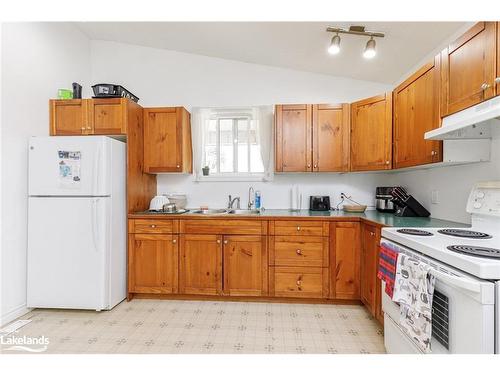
<point x="14" y="314"/>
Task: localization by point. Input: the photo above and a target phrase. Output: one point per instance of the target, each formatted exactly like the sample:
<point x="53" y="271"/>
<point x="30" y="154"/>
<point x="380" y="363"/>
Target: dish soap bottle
<point x="258" y="202"/>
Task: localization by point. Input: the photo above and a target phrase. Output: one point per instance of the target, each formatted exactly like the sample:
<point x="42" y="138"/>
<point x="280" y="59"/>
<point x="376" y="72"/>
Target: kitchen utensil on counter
<point x="180" y="199"/>
<point x="169" y="207"/>
<point x="354" y="207"/>
<point x="295" y="198"/>
<point x="383" y="199"/>
<point x="158" y="202"/>
<point x="319" y="203"/>
<point x="406" y="205"/>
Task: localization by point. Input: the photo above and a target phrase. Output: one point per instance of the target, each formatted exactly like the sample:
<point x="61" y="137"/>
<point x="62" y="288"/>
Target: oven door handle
<point x="457" y="282"/>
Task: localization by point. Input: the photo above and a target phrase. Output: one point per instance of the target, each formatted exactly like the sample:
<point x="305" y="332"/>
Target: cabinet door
<point x="69" y="117"/>
<point x="162" y="140"/>
<point x="245" y="266"/>
<point x="371" y="133"/>
<point x="153" y="263"/>
<point x="468" y="69"/>
<point x="108" y="116"/>
<point x="293" y="138"/>
<point x="497" y="79"/>
<point x="330" y="137"/>
<point x="344" y="260"/>
<point x="416" y="111"/>
<point x="369" y="249"/>
<point x="200" y="270"/>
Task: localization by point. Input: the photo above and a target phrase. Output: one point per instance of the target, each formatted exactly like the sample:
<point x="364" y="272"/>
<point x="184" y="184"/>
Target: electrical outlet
<point x="435" y="196"/>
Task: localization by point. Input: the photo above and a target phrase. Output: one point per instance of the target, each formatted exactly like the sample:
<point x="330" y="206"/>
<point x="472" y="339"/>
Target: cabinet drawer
<point x="299" y="251"/>
<point x="221" y="226"/>
<point x="152" y="226"/>
<point x="299" y="282"/>
<point x="299" y="228"/>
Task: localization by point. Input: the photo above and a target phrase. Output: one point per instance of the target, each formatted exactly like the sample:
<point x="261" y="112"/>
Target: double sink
<point x="222" y="211"/>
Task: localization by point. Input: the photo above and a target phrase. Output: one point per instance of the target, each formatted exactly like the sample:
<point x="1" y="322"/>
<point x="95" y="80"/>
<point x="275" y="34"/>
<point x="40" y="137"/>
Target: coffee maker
<point x="383" y="199"/>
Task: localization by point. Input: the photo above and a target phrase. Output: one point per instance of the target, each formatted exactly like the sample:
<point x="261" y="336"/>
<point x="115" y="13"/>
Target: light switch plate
<point x="435" y="196"/>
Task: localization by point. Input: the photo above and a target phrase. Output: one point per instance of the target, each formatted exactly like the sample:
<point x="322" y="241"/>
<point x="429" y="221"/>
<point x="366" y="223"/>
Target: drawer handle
<point x="174" y="241"/>
<point x="298" y="251"/>
<point x="298" y="228"/>
<point x="153" y="226"/>
<point x="485" y="86"/>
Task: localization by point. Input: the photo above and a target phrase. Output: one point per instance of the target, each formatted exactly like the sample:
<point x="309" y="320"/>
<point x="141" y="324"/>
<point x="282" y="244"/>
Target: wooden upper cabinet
<point x="245" y="265"/>
<point x="330" y="140"/>
<point x="69" y="117"/>
<point x="293" y="138"/>
<point x="108" y="116"/>
<point x="416" y="111"/>
<point x="153" y="263"/>
<point x="371" y="133"/>
<point x="200" y="265"/>
<point x="89" y="116"/>
<point x="469" y="68"/>
<point x="167" y="140"/>
<point x="344" y="260"/>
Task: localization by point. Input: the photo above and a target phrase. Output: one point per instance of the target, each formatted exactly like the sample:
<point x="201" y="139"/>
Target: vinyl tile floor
<point x="196" y="327"/>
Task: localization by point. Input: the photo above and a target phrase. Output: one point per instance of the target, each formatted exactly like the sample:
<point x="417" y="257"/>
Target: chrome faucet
<point x="231" y="201"/>
<point x="251" y="194"/>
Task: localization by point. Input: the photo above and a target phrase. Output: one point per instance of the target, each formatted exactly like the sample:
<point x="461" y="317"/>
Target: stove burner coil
<point x="485" y="252"/>
<point x="415" y="232"/>
<point x="464" y="233"/>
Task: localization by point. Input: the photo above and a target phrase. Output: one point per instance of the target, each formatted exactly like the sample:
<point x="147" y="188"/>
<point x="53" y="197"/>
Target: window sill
<point x="234" y="178"/>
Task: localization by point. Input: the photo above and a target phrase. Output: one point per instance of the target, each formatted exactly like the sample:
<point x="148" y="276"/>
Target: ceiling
<point x="294" y="45"/>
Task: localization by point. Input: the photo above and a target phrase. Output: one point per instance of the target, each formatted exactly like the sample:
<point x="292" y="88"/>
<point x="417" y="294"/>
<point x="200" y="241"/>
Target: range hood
<point x="471" y="123"/>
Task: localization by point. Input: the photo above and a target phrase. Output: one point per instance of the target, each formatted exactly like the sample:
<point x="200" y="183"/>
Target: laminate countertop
<point x="379" y="218"/>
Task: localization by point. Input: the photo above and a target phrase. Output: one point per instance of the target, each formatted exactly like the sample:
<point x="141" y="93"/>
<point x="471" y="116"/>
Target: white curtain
<point x="264" y="116"/>
<point x="199" y="117"/>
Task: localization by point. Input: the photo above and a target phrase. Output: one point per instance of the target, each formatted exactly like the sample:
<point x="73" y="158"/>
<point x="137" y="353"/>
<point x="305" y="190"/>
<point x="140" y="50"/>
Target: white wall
<point x="163" y="78"/>
<point x="37" y="59"/>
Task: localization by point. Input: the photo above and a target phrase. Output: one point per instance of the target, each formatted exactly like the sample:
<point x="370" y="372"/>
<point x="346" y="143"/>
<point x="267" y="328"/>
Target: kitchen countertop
<point x="380" y="218"/>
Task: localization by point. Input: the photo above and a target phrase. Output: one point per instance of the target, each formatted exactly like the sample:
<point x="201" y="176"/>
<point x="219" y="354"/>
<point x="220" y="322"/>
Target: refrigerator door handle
<point x="97" y="166"/>
<point x="94" y="219"/>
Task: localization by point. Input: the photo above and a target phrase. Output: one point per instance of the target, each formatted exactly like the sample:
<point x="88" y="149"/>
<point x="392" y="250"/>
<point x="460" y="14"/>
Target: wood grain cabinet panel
<point x="369" y="252"/>
<point x="469" y="69"/>
<point x="293" y="138"/>
<point x="330" y="145"/>
<point x="416" y="111"/>
<point x="299" y="282"/>
<point x="299" y="251"/>
<point x="298" y="228"/>
<point x="153" y="263"/>
<point x="497" y="78"/>
<point x="153" y="226"/>
<point x="167" y="140"/>
<point x="69" y="117"/>
<point x="371" y="133"/>
<point x="108" y="116"/>
<point x="245" y="266"/>
<point x="344" y="260"/>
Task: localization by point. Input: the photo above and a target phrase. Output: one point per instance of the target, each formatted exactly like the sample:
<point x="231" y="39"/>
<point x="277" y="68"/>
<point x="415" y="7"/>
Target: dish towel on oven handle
<point x="413" y="290"/>
<point x="387" y="267"/>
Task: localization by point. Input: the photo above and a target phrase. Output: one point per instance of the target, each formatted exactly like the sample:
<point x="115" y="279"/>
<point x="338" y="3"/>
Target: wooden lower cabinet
<point x="245" y="266"/>
<point x="298" y="282"/>
<point x="200" y="266"/>
<point x="344" y="260"/>
<point x="153" y="263"/>
<point x="369" y="252"/>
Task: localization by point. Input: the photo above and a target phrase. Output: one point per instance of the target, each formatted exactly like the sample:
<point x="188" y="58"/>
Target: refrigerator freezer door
<point x="69" y="166"/>
<point x="68" y="252"/>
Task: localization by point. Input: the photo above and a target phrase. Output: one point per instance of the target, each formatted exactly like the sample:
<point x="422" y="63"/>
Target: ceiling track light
<point x="370" y="49"/>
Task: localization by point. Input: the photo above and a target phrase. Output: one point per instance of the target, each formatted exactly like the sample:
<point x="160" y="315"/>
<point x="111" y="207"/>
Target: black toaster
<point x="319" y="203"/>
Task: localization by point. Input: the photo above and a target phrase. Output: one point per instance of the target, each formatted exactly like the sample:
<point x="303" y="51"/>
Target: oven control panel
<point x="484" y="199"/>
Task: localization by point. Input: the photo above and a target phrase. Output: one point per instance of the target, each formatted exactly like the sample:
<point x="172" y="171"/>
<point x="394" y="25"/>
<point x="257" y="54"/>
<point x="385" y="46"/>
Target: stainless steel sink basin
<point x="210" y="211"/>
<point x="243" y="212"/>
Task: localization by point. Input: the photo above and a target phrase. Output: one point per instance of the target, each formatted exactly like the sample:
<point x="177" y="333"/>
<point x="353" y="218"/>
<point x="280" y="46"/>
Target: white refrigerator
<point x="76" y="222"/>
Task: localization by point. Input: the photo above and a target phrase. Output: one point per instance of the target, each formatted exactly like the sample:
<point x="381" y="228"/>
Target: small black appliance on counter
<point x="319" y="203"/>
<point x="406" y="205"/>
<point x="107" y="90"/>
<point x="383" y="199"/>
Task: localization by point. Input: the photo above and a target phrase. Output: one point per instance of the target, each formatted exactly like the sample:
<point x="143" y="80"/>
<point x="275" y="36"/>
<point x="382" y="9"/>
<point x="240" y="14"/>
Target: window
<point x="231" y="145"/>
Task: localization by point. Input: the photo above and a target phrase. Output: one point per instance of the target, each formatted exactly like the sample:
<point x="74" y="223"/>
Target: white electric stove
<point x="466" y="263"/>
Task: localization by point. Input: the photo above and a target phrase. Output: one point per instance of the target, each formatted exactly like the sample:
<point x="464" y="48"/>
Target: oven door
<point x="463" y="317"/>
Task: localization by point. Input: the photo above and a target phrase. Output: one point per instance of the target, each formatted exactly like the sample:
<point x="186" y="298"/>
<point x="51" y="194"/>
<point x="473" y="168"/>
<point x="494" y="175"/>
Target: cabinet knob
<point x="174" y="241"/>
<point x="298" y="251"/>
<point x="299" y="282"/>
<point x="178" y="166"/>
<point x="298" y="228"/>
<point x="153" y="226"/>
<point x="497" y="80"/>
<point x="308" y="165"/>
<point x="433" y="152"/>
<point x="485" y="86"/>
<point x="83" y="127"/>
<point x="225" y="242"/>
<point x="372" y="234"/>
<point x="218" y="241"/>
<point x="315" y="165"/>
<point x="387" y="162"/>
<point x="88" y="128"/>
